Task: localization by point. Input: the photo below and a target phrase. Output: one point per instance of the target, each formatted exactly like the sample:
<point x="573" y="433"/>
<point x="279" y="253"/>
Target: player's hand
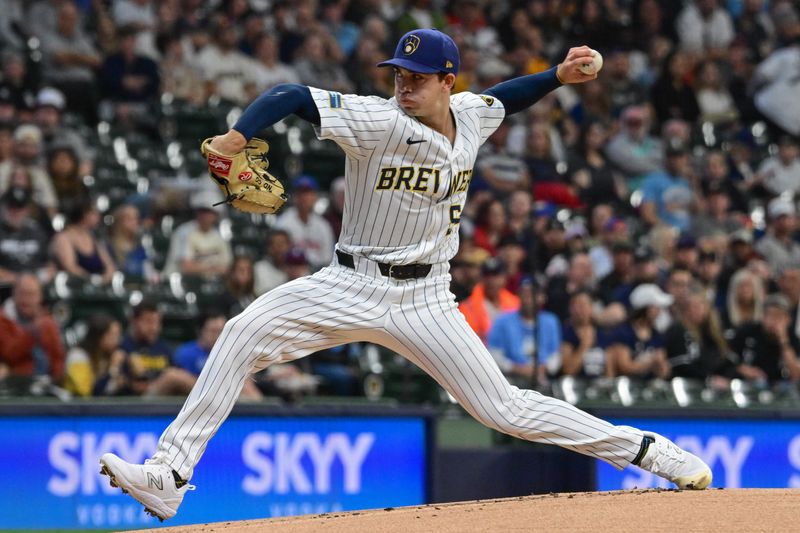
<point x="231" y="143"/>
<point x="569" y="70"/>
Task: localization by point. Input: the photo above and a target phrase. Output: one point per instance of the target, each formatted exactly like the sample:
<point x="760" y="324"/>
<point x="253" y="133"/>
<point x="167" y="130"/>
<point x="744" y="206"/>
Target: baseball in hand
<point x="594" y="66"/>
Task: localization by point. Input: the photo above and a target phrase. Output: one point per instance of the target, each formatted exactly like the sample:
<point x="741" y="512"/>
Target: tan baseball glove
<point x="243" y="177"/>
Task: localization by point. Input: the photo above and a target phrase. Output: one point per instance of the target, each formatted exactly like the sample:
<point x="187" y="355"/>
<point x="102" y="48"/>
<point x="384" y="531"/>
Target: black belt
<point x="390" y="271"/>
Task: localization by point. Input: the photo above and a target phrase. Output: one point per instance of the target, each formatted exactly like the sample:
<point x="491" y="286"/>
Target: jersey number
<point x="455" y="217"/>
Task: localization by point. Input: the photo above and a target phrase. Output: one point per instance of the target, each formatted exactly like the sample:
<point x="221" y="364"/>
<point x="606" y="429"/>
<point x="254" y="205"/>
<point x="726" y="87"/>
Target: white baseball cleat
<point x="152" y="484"/>
<point x="664" y="458"/>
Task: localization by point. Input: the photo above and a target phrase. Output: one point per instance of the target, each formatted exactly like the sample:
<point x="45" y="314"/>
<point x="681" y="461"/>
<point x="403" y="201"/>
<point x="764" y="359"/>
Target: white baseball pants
<point x="415" y="318"/>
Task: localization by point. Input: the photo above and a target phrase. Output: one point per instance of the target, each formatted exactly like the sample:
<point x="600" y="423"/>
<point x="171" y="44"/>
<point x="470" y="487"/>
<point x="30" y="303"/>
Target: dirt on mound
<point x="745" y="510"/>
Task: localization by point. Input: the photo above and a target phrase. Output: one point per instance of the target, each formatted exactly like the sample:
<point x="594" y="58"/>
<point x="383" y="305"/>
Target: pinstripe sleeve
<point x="487" y="111"/>
<point x="356" y="123"/>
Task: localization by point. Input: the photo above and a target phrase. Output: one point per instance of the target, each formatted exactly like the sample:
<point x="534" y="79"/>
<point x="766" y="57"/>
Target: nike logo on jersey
<point x="409" y="141"/>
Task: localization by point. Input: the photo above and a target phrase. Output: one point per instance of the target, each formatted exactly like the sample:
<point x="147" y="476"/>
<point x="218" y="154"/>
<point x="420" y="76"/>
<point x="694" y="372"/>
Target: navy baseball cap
<point x="426" y="51"/>
<point x="305" y="182"/>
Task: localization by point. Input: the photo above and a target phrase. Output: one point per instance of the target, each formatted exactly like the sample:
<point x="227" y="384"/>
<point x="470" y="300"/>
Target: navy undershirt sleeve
<point x="276" y="104"/>
<point x="521" y="93"/>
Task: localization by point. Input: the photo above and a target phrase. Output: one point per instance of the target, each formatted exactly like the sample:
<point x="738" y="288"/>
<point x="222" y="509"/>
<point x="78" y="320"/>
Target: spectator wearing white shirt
<point x="228" y="72"/>
<point x="781" y="172"/>
<point x="197" y="247"/>
<point x="308" y="230"/>
<point x="705" y="27"/>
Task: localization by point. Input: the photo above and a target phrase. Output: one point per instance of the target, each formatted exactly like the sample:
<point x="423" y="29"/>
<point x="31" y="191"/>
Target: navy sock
<point x="646" y="442"/>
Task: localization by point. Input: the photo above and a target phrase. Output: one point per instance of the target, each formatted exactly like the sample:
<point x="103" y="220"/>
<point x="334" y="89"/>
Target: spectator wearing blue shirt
<point x="636" y="348"/>
<point x="525" y="343"/>
<point x="192" y="355"/>
<point x="147" y="367"/>
<point x="667" y="196"/>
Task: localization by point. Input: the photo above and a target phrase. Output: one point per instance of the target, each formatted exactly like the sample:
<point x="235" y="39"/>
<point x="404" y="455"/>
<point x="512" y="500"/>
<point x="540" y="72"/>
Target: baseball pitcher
<point x="408" y="169"/>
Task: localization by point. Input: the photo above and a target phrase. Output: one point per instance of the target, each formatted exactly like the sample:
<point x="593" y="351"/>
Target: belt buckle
<point x="391" y="266"/>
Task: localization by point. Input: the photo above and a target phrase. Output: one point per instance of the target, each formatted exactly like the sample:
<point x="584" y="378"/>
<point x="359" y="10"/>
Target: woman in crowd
<point x="77" y="250"/>
<point x="94" y="367"/>
<point x="239" y="291"/>
<point x="125" y="244"/>
<point x="64" y="169"/>
<point x="583" y="344"/>
<point x="490" y="226"/>
<point x="696" y="347"/>
<point x="745" y="300"/>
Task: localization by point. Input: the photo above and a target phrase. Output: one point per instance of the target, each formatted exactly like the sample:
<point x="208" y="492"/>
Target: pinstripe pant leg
<point x="429" y="330"/>
<point x="287" y="323"/>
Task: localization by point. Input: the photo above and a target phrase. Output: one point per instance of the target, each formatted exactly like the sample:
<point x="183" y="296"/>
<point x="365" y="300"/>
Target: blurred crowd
<point x="640" y="225"/>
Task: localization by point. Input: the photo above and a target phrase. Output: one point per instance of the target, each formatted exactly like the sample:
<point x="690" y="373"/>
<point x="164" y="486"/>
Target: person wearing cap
<point x="636" y="348"/>
<point x="489" y="298"/>
<point x="465" y="271"/>
<point x="409" y="163"/>
<point x="308" y="230"/>
<point x="686" y="253"/>
<point x="645" y="270"/>
<point x="23" y="242"/>
<point x="633" y="150"/>
<point x="667" y="195"/>
<point x="524" y="341"/>
<point x="778" y="246"/>
<point x="765" y="351"/>
<point x="197" y="247"/>
<point x="297" y="264"/>
<point x="49" y="114"/>
<point x="27" y="155"/>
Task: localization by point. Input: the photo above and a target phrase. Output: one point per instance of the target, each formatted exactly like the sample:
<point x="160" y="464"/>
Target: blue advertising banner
<point x="741" y="453"/>
<point x="255" y="467"/>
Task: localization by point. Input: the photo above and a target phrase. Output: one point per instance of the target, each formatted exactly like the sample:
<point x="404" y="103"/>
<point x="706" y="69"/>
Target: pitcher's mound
<point x="745" y="510"/>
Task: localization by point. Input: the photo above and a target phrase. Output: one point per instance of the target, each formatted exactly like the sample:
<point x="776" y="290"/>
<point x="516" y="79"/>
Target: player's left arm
<point x="520" y="93"/>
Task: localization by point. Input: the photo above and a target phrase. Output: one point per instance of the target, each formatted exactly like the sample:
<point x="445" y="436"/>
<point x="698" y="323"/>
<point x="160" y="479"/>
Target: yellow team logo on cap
<point x="449" y="64"/>
<point x="411" y="45"/>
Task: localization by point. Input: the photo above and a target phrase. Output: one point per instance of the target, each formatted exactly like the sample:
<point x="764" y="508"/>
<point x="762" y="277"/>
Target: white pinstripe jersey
<point x="405" y="183"/>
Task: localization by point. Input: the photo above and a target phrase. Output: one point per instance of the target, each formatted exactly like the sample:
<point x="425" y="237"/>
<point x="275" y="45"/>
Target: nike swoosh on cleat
<point x="410" y="141"/>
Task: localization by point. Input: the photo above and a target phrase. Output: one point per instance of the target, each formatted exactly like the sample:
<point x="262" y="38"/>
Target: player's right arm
<point x="518" y="94"/>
